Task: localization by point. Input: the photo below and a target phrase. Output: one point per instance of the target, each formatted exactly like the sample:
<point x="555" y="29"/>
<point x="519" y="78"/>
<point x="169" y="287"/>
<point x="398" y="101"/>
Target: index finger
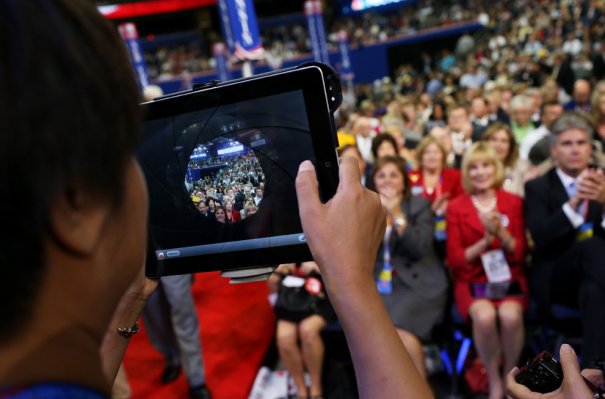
<point x="349" y="172"/>
<point x="590" y="177"/>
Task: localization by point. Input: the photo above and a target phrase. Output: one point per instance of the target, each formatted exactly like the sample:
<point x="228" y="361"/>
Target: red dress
<point x="449" y="182"/>
<point x="464" y="228"/>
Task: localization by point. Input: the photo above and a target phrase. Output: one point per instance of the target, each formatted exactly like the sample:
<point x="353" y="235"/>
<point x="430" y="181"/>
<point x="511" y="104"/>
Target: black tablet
<point x="221" y="161"/>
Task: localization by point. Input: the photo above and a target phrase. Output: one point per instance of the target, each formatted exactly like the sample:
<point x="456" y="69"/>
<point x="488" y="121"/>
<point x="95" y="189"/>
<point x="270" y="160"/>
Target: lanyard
<point x="386" y="250"/>
<point x="384" y="282"/>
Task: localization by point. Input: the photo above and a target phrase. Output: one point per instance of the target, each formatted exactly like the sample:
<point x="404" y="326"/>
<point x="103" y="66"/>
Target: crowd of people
<point x="488" y="161"/>
<point x="290" y="41"/>
<point x="73" y="281"/>
<point x="504" y="143"/>
<point x="473" y="156"/>
<point x="231" y="188"/>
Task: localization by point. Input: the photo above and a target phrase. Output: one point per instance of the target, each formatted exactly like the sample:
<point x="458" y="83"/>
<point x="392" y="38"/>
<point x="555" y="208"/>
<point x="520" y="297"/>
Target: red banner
<point x="138" y="9"/>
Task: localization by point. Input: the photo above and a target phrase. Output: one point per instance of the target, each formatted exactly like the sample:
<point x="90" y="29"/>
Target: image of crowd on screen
<point x="231" y="188"/>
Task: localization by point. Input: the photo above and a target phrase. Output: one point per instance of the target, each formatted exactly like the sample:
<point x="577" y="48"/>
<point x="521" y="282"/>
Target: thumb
<point x="307" y="189"/>
<point x="569" y="363"/>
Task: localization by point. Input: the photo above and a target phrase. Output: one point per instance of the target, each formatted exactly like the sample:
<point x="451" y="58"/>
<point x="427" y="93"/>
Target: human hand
<point x="285" y="268"/>
<point x="573" y="386"/>
<point x="439" y="206"/>
<point x="309" y="267"/>
<point x="344" y="233"/>
<point x="467" y="129"/>
<point x="596" y="377"/>
<point x="491" y="222"/>
<point x="392" y="203"/>
<point x="591" y="186"/>
<point x="274" y="281"/>
<point x="278" y="274"/>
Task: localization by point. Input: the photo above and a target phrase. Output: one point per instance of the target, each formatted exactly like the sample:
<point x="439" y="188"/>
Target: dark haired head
<point x="443" y="107"/>
<point x="549" y="103"/>
<point x="69" y="107"/>
<point x="401" y="166"/>
<point x="219" y="209"/>
<point x="379" y="140"/>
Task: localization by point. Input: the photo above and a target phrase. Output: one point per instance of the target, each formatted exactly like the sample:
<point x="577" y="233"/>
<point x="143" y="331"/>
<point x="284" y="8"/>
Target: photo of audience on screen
<point x="225" y="181"/>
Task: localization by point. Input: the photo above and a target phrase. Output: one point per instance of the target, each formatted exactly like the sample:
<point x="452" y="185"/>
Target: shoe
<point x="170" y="374"/>
<point x="199" y="392"/>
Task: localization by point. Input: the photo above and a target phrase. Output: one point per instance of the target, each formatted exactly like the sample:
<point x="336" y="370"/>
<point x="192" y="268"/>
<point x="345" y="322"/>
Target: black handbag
<point x="297" y="303"/>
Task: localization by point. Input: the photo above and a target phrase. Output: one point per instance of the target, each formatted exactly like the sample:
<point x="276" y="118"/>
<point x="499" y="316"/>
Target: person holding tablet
<point x="72" y="281"/>
<point x="72" y="268"/>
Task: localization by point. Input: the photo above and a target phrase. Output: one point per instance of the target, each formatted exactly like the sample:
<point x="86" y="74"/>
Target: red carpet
<point x="236" y="327"/>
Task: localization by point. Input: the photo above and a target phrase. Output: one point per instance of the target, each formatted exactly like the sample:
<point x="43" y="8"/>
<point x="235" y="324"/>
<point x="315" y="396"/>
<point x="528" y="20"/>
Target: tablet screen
<point x="221" y="178"/>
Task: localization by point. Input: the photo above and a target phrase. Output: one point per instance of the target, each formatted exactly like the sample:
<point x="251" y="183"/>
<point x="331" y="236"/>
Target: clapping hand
<point x="491" y="222"/>
<point x="439" y="206"/>
<point x="391" y="201"/>
<point x="309" y="267"/>
<point x="591" y="186"/>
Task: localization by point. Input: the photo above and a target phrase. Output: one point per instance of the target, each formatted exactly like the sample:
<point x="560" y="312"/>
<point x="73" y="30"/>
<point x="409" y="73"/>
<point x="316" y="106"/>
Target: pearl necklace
<point x="491" y="205"/>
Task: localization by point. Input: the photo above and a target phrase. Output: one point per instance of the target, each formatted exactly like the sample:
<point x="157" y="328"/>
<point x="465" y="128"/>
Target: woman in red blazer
<point x="438" y="183"/>
<point x="232" y="215"/>
<point x="433" y="179"/>
<point x="485" y="250"/>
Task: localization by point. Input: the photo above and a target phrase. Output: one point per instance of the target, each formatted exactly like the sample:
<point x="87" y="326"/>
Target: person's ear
<point x="77" y="220"/>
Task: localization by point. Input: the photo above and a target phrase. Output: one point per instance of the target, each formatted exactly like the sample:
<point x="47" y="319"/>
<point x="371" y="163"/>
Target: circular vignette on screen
<point x="225" y="177"/>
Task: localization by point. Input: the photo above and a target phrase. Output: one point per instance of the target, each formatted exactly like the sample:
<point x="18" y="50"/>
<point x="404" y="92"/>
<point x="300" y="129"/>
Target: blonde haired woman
<point x="486" y="249"/>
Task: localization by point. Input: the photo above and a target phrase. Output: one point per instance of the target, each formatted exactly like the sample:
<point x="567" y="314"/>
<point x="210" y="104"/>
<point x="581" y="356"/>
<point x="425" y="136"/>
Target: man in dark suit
<point x="480" y="118"/>
<point x="494" y="101"/>
<point x="240" y="197"/>
<point x="581" y="97"/>
<point x="564" y="213"/>
<point x="203" y="208"/>
<point x="598" y="63"/>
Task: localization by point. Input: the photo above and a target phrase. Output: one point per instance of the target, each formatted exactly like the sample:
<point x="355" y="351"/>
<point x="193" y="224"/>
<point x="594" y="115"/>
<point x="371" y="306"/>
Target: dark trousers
<point x="578" y="279"/>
